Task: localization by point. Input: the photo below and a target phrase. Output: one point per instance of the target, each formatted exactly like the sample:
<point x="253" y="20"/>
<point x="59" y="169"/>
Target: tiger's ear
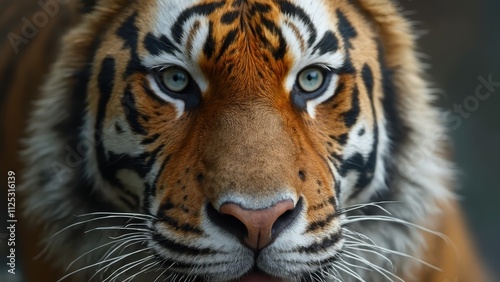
<point x="86" y="6"/>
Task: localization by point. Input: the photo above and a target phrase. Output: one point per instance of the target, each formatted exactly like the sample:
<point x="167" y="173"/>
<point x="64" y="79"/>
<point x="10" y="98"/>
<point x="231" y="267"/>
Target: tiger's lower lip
<point x="259" y="277"/>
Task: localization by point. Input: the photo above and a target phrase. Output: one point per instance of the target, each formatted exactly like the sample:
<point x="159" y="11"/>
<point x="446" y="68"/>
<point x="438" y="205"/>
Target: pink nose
<point x="259" y="223"/>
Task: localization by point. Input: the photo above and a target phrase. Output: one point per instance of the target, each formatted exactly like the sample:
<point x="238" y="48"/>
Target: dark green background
<point x="461" y="42"/>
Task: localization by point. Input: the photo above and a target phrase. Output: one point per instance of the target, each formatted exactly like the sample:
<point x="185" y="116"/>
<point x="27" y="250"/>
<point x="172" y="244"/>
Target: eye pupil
<point x="311" y="76"/>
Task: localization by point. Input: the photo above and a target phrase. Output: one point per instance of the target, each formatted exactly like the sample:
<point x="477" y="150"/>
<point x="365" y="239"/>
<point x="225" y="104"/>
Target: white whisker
<point x="345" y="269"/>
<point x="353" y="219"/>
<point x="373" y="204"/>
<point x="104" y="245"/>
<point x="352" y="247"/>
<point x="384" y="272"/>
<point x="124" y="268"/>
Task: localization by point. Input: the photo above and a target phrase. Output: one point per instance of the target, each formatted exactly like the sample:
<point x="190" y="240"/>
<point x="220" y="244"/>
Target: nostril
<point x="227" y="222"/>
<point x="286" y="219"/>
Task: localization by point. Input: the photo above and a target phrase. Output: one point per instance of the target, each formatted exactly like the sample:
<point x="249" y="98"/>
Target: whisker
<point x="124" y="268"/>
<point x="117" y="228"/>
<point x="370" y="251"/>
<point x="328" y="274"/>
<point x="386" y="250"/>
<point x="384" y="272"/>
<point x="119" y="215"/>
<point x="348" y="271"/>
<point x="358" y="237"/>
<point x="354" y="265"/>
<point x="373" y="204"/>
<point x="101" y="246"/>
<point x="86" y="221"/>
<point x="143" y="270"/>
<point x="354" y="219"/>
<point x="114" y="260"/>
<point x="161" y="274"/>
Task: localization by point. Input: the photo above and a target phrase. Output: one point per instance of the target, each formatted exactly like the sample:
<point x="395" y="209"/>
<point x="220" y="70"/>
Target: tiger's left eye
<point x="175" y="79"/>
<point x="310" y="79"/>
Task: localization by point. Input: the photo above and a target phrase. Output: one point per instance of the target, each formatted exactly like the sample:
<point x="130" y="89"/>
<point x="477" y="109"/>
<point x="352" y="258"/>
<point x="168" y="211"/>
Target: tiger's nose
<point x="262" y="226"/>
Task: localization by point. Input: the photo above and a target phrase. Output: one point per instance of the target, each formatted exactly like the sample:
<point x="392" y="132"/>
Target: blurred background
<point x="460" y="41"/>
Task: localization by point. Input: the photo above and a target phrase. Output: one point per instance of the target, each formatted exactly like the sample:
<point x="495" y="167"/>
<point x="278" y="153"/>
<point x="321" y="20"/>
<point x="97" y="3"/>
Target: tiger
<point x="233" y="140"/>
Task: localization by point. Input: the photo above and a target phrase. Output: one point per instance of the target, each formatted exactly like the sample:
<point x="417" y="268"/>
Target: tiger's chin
<point x="259" y="276"/>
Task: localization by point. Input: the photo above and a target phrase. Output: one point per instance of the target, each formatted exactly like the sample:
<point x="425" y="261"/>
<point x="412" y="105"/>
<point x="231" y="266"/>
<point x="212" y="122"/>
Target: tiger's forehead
<point x="206" y="37"/>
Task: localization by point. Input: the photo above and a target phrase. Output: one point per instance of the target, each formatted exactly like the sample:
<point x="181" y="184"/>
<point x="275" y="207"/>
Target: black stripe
<point x="337" y="157"/>
<point x="280" y="50"/>
<point x="177" y="247"/>
<point x="347" y="67"/>
<point x="129" y="32"/>
<point x="397" y="128"/>
<point x="156" y="46"/>
<point x="367" y="75"/>
<point x="209" y="46"/>
<point x="260" y="8"/>
<point x="175" y="224"/>
<point x="164" y="208"/>
<point x="351" y="116"/>
<point x="150" y="139"/>
<point x="320" y="224"/>
<point x="367" y="174"/>
<point x="341" y="139"/>
<point x="293" y="10"/>
<point x="327" y="44"/>
<point x="105" y="80"/>
<point x="150" y="189"/>
<point x="354" y="163"/>
<point x="229" y="17"/>
<point x="131" y="112"/>
<point x="227" y="41"/>
<point x="346" y="29"/>
<point x="321" y="246"/>
<point x="206" y="9"/>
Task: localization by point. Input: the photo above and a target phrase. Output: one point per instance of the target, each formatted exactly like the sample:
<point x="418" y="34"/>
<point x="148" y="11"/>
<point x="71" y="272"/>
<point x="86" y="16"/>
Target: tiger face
<point x="237" y="133"/>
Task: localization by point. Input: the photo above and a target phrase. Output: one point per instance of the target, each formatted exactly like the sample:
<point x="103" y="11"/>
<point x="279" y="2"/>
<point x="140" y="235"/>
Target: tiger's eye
<point x="310" y="79"/>
<point x="175" y="79"/>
